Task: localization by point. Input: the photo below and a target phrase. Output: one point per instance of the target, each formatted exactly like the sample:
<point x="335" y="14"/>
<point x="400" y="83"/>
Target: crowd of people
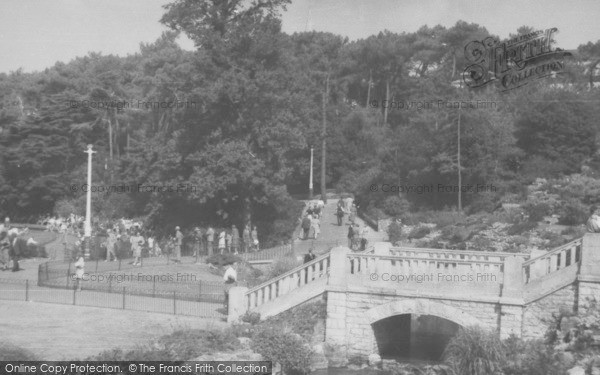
<point x="10" y="245"/>
<point x="209" y="241"/>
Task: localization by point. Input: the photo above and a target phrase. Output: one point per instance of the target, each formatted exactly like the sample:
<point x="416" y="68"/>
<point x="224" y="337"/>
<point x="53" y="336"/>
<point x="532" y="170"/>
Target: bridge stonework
<point x="526" y="292"/>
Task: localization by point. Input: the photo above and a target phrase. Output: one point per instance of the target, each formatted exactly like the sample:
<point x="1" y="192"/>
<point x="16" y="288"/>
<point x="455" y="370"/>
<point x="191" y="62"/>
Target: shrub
<point x="483" y="202"/>
<point x="573" y="213"/>
<point x="395" y="206"/>
<point x="288" y="349"/>
<point x="554" y="239"/>
<point x="300" y="320"/>
<point x="180" y="345"/>
<point x="456" y="234"/>
<point x="251" y="317"/>
<point x="283" y="265"/>
<point x="395" y="232"/>
<point x="531" y="358"/>
<point x="474" y="351"/>
<point x="537" y="211"/>
<point x="521" y="228"/>
<point x="223" y="259"/>
<point x="419" y="232"/>
<point x="9" y="352"/>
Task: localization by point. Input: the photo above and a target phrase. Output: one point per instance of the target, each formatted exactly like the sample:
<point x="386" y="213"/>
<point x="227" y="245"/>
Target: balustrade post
<point x="512" y="285"/>
<point x="338" y="266"/>
<point x="236" y="304"/>
<point x="589" y="271"/>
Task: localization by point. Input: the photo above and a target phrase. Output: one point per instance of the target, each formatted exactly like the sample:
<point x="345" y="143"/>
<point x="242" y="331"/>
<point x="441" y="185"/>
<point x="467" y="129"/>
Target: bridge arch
<point x="420" y="306"/>
<point x="416" y="328"/>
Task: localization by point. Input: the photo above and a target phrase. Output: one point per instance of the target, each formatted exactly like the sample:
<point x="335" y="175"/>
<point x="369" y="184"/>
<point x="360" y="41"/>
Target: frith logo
<point x="513" y="63"/>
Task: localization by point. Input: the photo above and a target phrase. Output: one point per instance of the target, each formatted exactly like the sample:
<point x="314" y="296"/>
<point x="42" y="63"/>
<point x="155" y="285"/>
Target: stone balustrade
<point x="309" y="272"/>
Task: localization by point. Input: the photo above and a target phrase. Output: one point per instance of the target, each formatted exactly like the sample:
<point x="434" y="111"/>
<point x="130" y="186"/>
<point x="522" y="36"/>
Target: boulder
<point x="577" y="370"/>
<point x="566" y="358"/>
<point x="374" y="359"/>
<point x="318" y="360"/>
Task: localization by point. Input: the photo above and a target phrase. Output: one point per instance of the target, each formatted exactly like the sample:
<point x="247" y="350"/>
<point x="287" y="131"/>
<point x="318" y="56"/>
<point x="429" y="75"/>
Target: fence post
<point x="68" y="276"/>
<point x="110" y="284"/>
<point x="153" y="287"/>
<point x="123" y="298"/>
<point x="47" y="275"/>
<point x="26" y="290"/>
<point x="74" y="295"/>
<point x="199" y="290"/>
<point x="174" y="303"/>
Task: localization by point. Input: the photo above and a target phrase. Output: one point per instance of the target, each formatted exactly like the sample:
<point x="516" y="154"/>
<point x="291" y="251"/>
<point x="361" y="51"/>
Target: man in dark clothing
<point x="310" y="256"/>
<point x="350" y="236"/>
<point x="340" y="215"/>
<point x="305" y="226"/>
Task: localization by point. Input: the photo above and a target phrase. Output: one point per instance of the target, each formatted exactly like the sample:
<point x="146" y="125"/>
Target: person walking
<point x="210" y="238"/>
<point x="246" y="238"/>
<point x="137" y="241"/>
<point x="111" y="242"/>
<point x="305" y="226"/>
<point x="340" y="215"/>
<point x="316" y="226"/>
<point x="352" y="216"/>
<point x="221" y="242"/>
<point x="350" y="236"/>
<point x="235" y="239"/>
<point x="197" y="243"/>
<point x="79" y="271"/>
<point x="178" y="243"/>
<point x="255" y="242"/>
<point x="228" y="239"/>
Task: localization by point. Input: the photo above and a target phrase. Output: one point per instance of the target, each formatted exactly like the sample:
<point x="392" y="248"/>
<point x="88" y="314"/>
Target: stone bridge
<point x="377" y="300"/>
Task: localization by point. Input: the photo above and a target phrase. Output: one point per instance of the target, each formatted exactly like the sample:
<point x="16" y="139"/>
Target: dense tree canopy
<point x="246" y="107"/>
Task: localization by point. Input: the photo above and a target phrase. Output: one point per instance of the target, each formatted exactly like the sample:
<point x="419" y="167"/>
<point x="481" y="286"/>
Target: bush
<point x="288" y="349"/>
<point x="9" y="352"/>
<point x="283" y="265"/>
<point x="573" y="213"/>
<point x="537" y="211"/>
<point x="395" y="232"/>
<point x="474" y="351"/>
<point x="300" y="320"/>
<point x="554" y="239"/>
<point x="456" y="234"/>
<point x="395" y="206"/>
<point x="225" y="259"/>
<point x="520" y="228"/>
<point x="178" y="346"/>
<point x="483" y="202"/>
<point x="419" y="232"/>
<point x="531" y="358"/>
<point x="251" y="318"/>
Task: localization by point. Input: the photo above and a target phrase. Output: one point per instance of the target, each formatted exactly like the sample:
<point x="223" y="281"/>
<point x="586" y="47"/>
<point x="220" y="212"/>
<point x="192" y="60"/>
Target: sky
<point x="35" y="34"/>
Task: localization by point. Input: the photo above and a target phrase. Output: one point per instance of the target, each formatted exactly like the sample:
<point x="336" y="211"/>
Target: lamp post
<point x="88" y="204"/>
<point x="310" y="182"/>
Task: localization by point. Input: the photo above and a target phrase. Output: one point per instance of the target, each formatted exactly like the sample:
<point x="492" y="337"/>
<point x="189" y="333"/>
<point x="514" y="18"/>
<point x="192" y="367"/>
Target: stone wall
<point x="538" y="314"/>
<point x="349" y="322"/>
<point x="587" y="290"/>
